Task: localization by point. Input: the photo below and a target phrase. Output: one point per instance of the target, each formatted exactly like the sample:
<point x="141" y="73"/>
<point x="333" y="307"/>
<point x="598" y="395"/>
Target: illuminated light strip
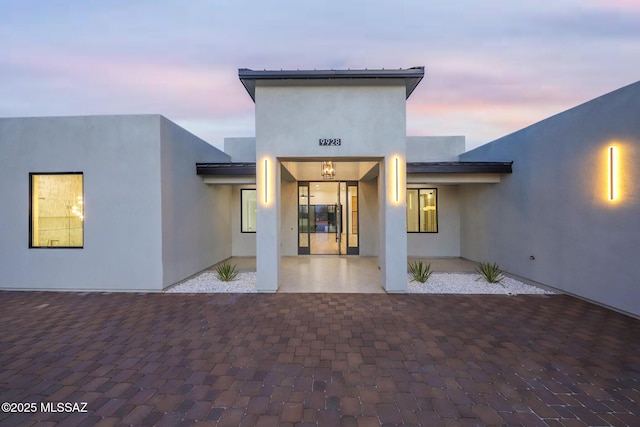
<point x="397" y="183"/>
<point x="266" y="182"/>
<point x="612" y="173"/>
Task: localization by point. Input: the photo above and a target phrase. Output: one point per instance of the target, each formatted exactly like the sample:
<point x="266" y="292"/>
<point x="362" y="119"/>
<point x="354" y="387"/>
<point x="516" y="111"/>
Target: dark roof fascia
<point x="412" y="76"/>
<point x="459" y="167"/>
<point x="226" y="169"/>
<point x="239" y="169"/>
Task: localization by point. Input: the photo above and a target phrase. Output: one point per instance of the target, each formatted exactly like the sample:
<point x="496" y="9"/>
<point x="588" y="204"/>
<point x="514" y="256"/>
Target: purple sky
<point x="492" y="66"/>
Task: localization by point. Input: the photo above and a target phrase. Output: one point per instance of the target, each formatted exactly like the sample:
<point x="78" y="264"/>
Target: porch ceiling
<point x="311" y="170"/>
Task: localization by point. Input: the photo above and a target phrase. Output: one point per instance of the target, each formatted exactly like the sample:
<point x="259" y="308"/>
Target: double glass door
<point x="328" y="218"/>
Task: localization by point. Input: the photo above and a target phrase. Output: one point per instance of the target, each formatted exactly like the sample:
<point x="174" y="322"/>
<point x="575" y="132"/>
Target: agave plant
<point x="226" y="272"/>
<point x="419" y="272"/>
<point x="490" y="272"/>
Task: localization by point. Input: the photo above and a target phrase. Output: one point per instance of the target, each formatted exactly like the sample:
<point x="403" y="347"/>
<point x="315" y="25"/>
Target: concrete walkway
<point x="341" y="274"/>
<point x="330" y="273"/>
<point x="317" y="360"/>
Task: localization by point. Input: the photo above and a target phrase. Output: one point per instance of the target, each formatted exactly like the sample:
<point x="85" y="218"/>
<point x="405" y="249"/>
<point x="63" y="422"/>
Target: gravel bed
<point x="207" y="282"/>
<point x="438" y="283"/>
<point x="471" y="283"/>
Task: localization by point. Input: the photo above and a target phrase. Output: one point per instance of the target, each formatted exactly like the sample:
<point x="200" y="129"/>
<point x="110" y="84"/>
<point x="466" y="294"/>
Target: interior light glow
<point x="613" y="170"/>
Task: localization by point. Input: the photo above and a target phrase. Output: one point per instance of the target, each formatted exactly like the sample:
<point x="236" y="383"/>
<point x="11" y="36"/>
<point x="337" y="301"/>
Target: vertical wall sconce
<point x="613" y="171"/>
<point x="397" y="180"/>
<point x="266" y="182"/>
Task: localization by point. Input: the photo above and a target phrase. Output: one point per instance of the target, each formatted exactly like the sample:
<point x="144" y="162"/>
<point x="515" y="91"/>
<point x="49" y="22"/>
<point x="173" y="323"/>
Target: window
<point x="422" y="210"/>
<point x="248" y="210"/>
<point x="57" y="210"/>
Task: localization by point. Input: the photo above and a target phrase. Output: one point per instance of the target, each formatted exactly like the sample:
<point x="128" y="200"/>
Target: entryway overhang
<point x="417" y="172"/>
<point x="227" y="173"/>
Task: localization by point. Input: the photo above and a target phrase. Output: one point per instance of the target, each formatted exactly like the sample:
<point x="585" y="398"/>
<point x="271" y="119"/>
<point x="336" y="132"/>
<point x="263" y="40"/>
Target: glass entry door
<point x="327" y="218"/>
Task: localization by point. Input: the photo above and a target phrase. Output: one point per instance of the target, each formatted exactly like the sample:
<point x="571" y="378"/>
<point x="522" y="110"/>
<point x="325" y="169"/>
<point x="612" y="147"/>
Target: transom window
<point x="57" y="210"/>
<point x="422" y="210"/>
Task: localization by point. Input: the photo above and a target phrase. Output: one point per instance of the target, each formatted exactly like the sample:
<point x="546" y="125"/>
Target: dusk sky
<point x="492" y="67"/>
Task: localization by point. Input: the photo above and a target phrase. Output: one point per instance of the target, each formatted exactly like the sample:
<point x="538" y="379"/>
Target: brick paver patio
<point x="318" y="359"/>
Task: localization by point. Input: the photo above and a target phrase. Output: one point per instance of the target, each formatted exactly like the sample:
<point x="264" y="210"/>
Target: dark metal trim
<point x="249" y="169"/>
<point x="459" y="167"/>
<point x="352" y="250"/>
<point x="327" y="74"/>
<point x="303" y="250"/>
<point x="248" y="77"/>
<point x="226" y="169"/>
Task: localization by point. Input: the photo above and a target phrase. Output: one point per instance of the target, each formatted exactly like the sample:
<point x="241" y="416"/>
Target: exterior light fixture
<point x="613" y="171"/>
<point x="266" y="181"/>
<point x="397" y="180"/>
<point x="327" y="170"/>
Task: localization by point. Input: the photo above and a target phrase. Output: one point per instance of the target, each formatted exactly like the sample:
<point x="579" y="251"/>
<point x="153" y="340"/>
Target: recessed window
<point x="422" y="210"/>
<point x="248" y="211"/>
<point x="57" y="210"/>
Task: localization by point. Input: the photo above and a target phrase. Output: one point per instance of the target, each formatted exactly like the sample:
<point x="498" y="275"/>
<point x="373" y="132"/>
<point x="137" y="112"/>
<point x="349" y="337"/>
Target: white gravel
<point x="470" y="283"/>
<point x="438" y="283"/>
<point x="208" y="282"/>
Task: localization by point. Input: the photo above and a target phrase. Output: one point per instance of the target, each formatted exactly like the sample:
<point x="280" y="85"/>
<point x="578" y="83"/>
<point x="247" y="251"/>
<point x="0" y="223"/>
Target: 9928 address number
<point x="329" y="141"/>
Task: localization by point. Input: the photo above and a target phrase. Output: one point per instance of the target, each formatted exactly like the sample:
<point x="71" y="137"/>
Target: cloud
<point x="620" y="5"/>
<point x="491" y="66"/>
<point x="132" y="85"/>
<point x="594" y="23"/>
<point x="479" y="122"/>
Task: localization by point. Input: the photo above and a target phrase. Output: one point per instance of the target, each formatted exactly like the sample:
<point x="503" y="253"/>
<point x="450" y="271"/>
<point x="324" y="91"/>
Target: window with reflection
<point x="248" y="210"/>
<point x="422" y="210"/>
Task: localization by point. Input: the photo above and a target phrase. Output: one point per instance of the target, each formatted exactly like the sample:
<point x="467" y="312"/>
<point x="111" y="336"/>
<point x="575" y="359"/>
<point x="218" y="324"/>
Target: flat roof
<point x="235" y="169"/>
<point x="412" y="76"/>
<point x="458" y="167"/>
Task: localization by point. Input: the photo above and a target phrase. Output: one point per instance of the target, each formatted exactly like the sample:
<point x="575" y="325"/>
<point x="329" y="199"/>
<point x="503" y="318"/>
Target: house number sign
<point x="329" y="142"/>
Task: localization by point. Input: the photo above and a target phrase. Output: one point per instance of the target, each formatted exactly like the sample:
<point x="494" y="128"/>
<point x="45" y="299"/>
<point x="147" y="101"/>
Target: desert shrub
<point x="420" y="272"/>
<point x="226" y="272"/>
<point x="490" y="272"/>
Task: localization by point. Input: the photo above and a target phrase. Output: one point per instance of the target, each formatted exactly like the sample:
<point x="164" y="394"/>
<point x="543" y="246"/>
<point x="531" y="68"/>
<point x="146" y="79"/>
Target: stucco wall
<point x="554" y="206"/>
<point x="196" y="219"/>
<point x="120" y="159"/>
<point x="434" y="148"/>
<point x="149" y="219"/>
<point x="241" y="149"/>
<point x="368" y="215"/>
<point x="446" y="242"/>
<point x="289" y="224"/>
<point x="370" y="119"/>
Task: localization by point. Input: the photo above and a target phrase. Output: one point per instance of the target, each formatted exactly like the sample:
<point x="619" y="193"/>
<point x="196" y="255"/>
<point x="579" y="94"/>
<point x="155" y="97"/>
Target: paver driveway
<point x="318" y="359"/>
